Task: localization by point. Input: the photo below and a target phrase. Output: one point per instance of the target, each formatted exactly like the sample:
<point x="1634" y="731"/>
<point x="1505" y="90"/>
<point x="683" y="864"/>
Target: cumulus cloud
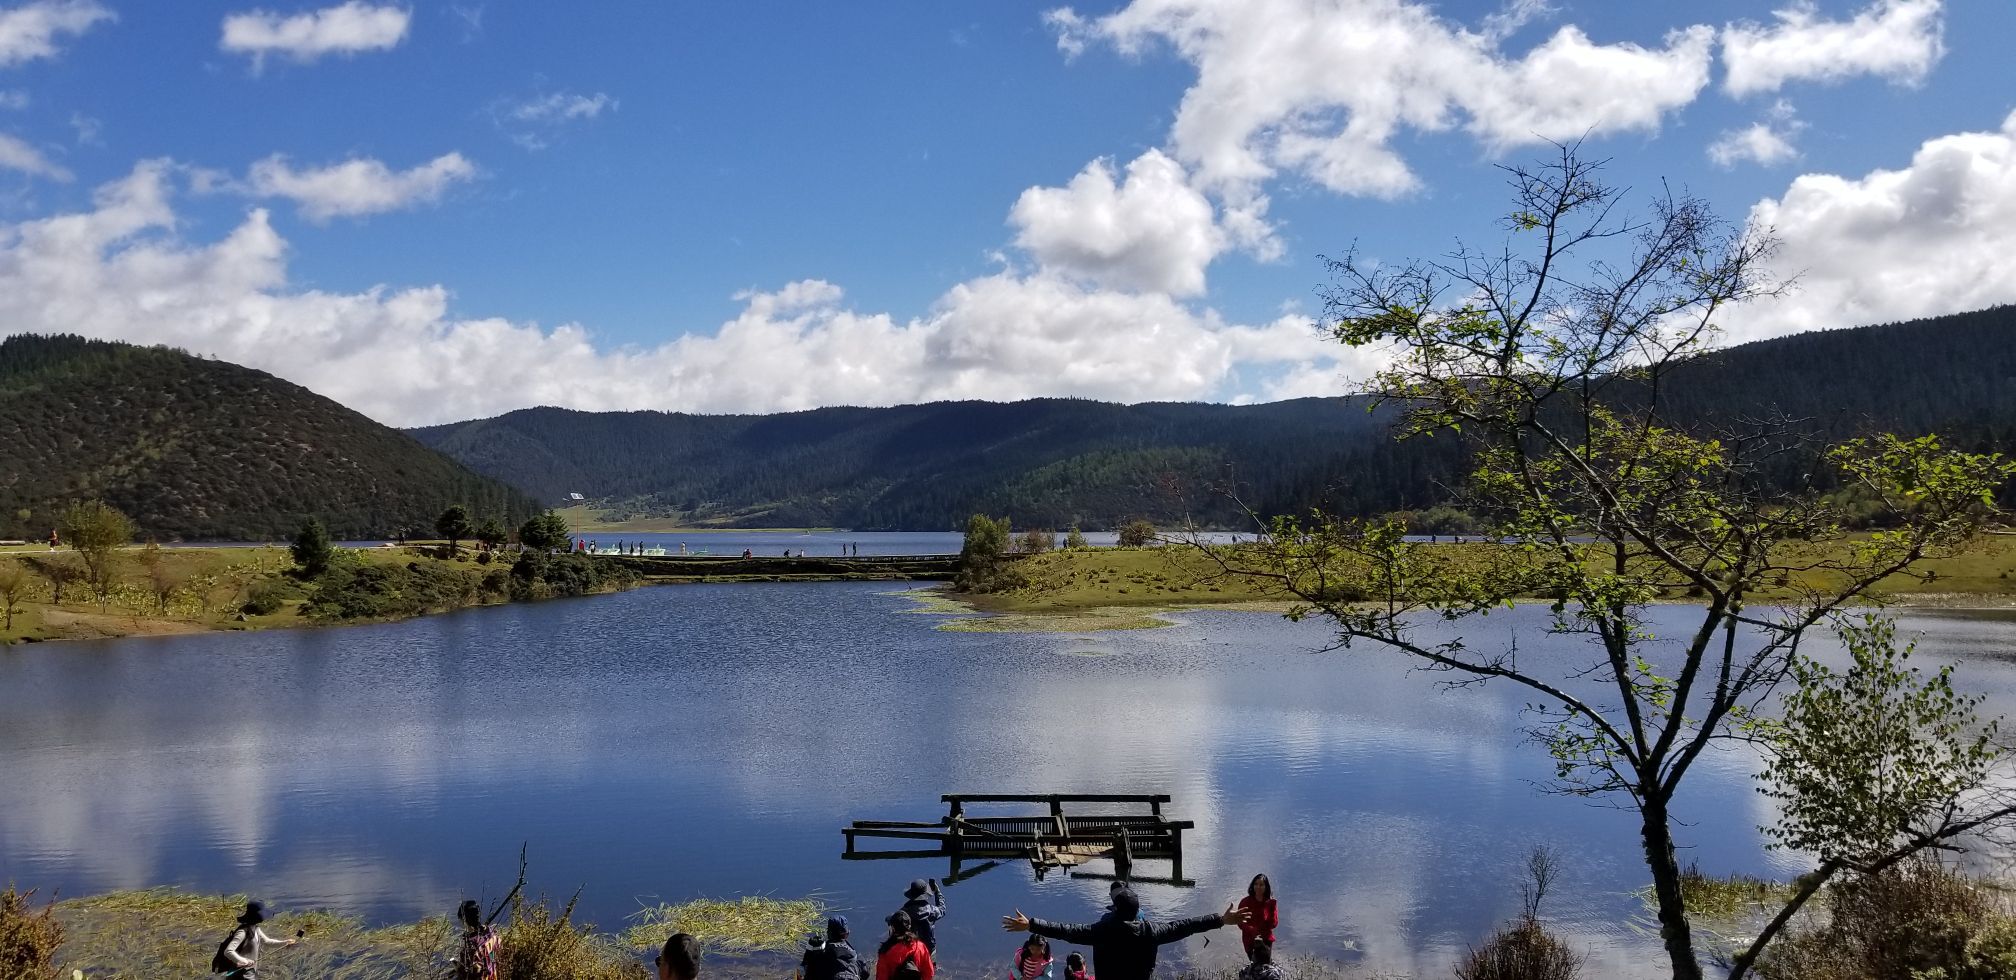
<point x="1767" y="142"/>
<point x="1937" y="236"/>
<point x="1895" y="39"/>
<point x="1322" y="88"/>
<point x="535" y="122"/>
<point x="120" y="271"/>
<point x="306" y="37"/>
<point x="31" y="31"/>
<point x="1149" y="232"/>
<point x="16" y="154"/>
<point x="357" y="187"/>
<point x="13" y="99"/>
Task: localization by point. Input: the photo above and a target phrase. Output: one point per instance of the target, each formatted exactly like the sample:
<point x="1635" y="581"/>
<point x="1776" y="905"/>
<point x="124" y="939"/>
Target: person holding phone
<point x="925" y="905"/>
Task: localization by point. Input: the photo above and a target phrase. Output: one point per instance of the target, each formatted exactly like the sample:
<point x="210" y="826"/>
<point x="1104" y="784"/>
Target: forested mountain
<point x="1047" y="462"/>
<point x="1053" y="462"/>
<point x="198" y="449"/>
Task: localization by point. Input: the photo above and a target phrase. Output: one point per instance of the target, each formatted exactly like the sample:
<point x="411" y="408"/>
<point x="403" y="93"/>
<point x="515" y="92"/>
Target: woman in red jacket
<point x="1261" y="915"/>
<point x="903" y="956"/>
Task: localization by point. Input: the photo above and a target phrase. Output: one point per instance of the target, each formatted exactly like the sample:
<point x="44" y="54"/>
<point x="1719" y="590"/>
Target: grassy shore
<point x="237" y="588"/>
<point x="168" y="933"/>
<point x="1087" y="589"/>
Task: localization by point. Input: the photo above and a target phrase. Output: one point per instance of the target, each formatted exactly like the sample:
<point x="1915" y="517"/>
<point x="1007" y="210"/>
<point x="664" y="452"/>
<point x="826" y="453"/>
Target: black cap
<point x="917" y="889"/>
<point x="1125" y="905"/>
<point x="836" y="927"/>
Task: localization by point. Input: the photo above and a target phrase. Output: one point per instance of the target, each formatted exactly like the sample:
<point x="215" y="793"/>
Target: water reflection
<point x="710" y="740"/>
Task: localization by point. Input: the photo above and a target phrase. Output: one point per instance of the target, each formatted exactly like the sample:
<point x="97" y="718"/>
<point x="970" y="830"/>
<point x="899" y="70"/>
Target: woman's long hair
<point x="900" y="931"/>
<point x="1253" y="890"/>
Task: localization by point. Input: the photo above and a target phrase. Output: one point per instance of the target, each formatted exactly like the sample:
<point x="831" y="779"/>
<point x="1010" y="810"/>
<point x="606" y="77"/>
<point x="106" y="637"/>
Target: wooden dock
<point x="900" y="568"/>
<point x="1048" y="840"/>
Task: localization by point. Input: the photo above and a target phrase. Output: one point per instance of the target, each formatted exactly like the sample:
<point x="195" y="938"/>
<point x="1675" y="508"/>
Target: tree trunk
<point x="1674" y="928"/>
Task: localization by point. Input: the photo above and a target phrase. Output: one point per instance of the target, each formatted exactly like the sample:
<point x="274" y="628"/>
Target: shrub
<point x="265" y="600"/>
<point x="542" y="944"/>
<point x="1137" y="534"/>
<point x="1524" y="950"/>
<point x="1913" y="920"/>
<point x="28" y="939"/>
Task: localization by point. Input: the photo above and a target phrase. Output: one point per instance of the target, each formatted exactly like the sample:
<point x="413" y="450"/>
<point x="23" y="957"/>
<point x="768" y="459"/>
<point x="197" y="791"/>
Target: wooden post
<point x="1123" y="855"/>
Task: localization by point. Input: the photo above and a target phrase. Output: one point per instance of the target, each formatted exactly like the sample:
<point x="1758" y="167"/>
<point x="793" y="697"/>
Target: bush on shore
<point x="1917" y="920"/>
<point x="28" y="938"/>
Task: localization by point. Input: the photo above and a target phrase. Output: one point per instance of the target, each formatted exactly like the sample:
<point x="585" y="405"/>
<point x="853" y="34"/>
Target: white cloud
<point x="1323" y="87"/>
<point x="1938" y="236"/>
<point x="562" y="106"/>
<point x="30" y="31"/>
<point x="1895" y="39"/>
<point x="535" y="122"/>
<point x="1150" y="232"/>
<point x="17" y="154"/>
<point x="358" y="187"/>
<point x="13" y="99"/>
<point x="120" y="271"/>
<point x="1767" y="142"/>
<point x="90" y="130"/>
<point x="345" y="29"/>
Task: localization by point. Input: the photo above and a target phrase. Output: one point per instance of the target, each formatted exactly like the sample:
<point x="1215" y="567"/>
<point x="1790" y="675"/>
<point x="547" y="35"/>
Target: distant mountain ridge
<point x="197" y="449"/>
<point x="1055" y="462"/>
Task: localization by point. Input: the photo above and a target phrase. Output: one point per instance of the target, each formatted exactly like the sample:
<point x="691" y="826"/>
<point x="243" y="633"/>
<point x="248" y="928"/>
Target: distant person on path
<point x="833" y="959"/>
<point x="903" y="956"/>
<point x="1261" y="965"/>
<point x="1074" y="968"/>
<point x="680" y="959"/>
<point x="477" y="958"/>
<point x="238" y="956"/>
<point x="1124" y="944"/>
<point x="1032" y="961"/>
<point x="1262" y="916"/>
<point x="925" y="905"/>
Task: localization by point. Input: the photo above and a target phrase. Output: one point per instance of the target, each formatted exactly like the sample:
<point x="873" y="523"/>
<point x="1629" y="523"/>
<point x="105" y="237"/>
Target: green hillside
<point x="197" y="449"/>
<point x="1052" y="462"/>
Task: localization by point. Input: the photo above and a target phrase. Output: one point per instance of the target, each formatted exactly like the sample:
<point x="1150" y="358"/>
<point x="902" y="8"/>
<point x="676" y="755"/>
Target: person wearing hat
<point x="680" y="959"/>
<point x="241" y="950"/>
<point x="1123" y="944"/>
<point x="925" y="905"/>
<point x="832" y="958"/>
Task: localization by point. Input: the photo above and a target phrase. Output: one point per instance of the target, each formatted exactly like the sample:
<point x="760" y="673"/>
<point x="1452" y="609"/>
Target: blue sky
<point x="541" y="200"/>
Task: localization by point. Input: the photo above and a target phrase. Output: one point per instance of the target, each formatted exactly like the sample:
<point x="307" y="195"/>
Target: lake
<point x="709" y="740"/>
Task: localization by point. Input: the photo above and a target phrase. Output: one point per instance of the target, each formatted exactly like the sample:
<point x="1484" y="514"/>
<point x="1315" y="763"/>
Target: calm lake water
<point x="711" y="740"/>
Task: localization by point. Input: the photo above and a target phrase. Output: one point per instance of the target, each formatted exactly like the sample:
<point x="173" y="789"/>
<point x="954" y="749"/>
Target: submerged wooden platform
<point x="1048" y="840"/>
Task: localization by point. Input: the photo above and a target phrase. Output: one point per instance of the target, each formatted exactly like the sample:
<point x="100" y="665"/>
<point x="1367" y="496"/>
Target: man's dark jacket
<point x="834" y="961"/>
<point x="1124" y="949"/>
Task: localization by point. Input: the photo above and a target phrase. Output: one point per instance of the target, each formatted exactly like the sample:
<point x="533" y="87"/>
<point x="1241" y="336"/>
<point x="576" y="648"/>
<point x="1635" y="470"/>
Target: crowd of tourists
<point x="1123" y="943"/>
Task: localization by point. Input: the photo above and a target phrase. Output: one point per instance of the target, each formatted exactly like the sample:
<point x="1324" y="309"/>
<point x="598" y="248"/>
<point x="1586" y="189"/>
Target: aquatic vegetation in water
<point x="749" y="924"/>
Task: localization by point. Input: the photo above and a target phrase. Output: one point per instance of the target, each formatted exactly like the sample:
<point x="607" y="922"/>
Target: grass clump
<point x="1728" y="897"/>
<point x="752" y="924"/>
<point x="28" y="938"/>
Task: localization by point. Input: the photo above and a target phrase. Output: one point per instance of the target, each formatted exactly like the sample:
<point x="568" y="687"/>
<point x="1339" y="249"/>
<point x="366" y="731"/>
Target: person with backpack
<point x="832" y="958"/>
<point x="238" y="955"/>
<point x="925" y="905"/>
<point x="1123" y="944"/>
<point x="1262" y="915"/>
<point x="477" y="957"/>
<point x="1262" y="966"/>
<point x="680" y="959"/>
<point x="903" y="956"/>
